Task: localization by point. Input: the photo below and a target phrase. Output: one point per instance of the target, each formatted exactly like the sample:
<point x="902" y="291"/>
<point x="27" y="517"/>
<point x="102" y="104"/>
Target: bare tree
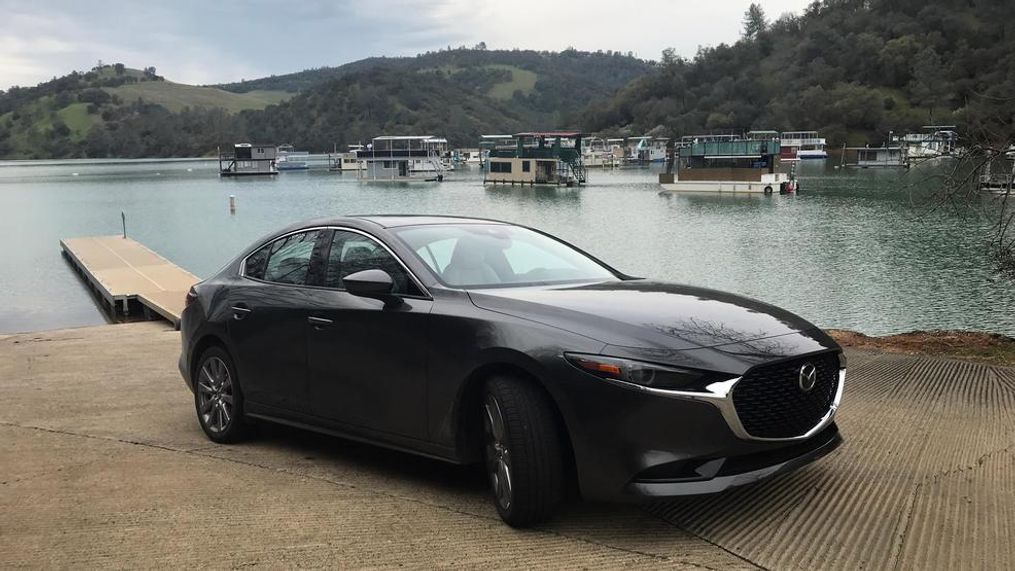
<point x="982" y="179"/>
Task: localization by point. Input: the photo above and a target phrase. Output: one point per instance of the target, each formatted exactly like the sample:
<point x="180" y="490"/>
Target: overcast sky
<point x="213" y="41"/>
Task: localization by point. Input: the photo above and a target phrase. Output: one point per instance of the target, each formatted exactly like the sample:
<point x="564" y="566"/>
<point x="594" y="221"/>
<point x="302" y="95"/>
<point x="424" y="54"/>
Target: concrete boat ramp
<point x="121" y="271"/>
<point x="102" y="464"/>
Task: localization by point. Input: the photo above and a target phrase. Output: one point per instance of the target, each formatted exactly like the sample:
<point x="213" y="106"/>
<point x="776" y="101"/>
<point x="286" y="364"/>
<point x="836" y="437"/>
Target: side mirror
<point x="376" y="284"/>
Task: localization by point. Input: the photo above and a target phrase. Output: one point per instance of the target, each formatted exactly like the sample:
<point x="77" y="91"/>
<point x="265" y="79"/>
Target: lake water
<point x="857" y="249"/>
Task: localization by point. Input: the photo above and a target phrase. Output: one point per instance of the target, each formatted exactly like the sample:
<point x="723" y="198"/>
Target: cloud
<point x="196" y="41"/>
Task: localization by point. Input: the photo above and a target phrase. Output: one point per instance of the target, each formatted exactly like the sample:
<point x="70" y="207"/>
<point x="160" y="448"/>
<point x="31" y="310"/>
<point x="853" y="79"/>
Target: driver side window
<point x="351" y="252"/>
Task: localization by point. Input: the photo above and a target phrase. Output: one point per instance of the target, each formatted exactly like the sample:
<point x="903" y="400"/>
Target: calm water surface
<point x="857" y="249"/>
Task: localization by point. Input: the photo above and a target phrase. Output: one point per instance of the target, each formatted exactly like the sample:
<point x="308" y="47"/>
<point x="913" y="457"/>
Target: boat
<point x="404" y="158"/>
<point x="998" y="174"/>
<point x="249" y="160"/>
<point x="892" y="155"/>
<point x="932" y="142"/>
<point x="726" y="163"/>
<point x="597" y="152"/>
<point x="347" y="161"/>
<point x="488" y="143"/>
<point x="467" y="156"/>
<point x="647" y="149"/>
<point x="288" y="159"/>
<point x="800" y="145"/>
<point x="544" y="158"/>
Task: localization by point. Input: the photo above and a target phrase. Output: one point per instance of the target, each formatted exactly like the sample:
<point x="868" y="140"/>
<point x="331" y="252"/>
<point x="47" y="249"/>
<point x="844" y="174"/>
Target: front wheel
<point x="523" y="451"/>
<point x="218" y="399"/>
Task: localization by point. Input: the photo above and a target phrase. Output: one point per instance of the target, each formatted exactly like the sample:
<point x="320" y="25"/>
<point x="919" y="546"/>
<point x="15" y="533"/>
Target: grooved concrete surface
<point x="102" y="464"/>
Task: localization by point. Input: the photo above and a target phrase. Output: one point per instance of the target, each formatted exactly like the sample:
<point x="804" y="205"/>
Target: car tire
<point x="522" y="451"/>
<point x="218" y="399"/>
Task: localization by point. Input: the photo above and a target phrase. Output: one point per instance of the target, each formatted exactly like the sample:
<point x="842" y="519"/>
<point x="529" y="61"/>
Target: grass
<point x="989" y="348"/>
<point x="521" y="79"/>
<point x="77" y="119"/>
<point x="177" y="96"/>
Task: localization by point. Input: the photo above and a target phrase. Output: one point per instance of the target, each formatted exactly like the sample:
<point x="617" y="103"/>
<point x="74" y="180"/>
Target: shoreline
<point x="973" y="346"/>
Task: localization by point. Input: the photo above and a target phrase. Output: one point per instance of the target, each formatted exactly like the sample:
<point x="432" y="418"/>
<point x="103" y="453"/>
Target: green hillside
<point x="853" y="69"/>
<point x="177" y="96"/>
<point x="80" y="114"/>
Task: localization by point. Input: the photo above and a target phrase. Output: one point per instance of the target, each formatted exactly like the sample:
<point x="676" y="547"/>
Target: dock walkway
<point x="121" y="270"/>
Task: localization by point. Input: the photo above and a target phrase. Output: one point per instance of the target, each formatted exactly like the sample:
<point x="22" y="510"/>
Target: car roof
<point x="397" y="220"/>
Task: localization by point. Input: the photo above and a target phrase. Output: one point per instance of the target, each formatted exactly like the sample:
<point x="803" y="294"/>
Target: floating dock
<point x="121" y="270"/>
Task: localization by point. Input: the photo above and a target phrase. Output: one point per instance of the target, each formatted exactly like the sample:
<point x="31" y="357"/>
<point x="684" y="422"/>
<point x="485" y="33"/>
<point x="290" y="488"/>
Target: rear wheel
<point x="523" y="451"/>
<point x="218" y="399"/>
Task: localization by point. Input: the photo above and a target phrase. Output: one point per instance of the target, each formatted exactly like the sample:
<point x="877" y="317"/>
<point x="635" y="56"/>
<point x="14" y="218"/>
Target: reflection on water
<point x="855" y="249"/>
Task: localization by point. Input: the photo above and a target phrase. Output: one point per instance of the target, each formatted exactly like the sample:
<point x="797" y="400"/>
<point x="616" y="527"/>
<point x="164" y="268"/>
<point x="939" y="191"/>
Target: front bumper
<point x="740" y="470"/>
<point x="631" y="444"/>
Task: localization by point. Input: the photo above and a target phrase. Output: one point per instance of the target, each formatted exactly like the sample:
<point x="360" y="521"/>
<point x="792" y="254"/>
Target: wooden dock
<point x="121" y="270"/>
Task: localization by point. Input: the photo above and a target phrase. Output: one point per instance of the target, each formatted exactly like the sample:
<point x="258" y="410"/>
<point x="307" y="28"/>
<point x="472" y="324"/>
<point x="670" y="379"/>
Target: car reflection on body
<point x="479" y="341"/>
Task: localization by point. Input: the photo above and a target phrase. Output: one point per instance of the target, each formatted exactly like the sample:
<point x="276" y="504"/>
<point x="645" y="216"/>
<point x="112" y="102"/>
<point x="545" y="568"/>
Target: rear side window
<point x="286" y="260"/>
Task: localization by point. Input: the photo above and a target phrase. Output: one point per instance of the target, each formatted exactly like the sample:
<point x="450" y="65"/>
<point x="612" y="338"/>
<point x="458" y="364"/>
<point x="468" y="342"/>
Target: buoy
<point x="232" y="204"/>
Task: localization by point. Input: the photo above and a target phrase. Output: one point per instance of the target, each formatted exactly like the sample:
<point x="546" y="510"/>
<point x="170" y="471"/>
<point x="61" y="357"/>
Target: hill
<point x="75" y="115"/>
<point x="854" y="69"/>
<point x="116" y="111"/>
<point x="458" y="94"/>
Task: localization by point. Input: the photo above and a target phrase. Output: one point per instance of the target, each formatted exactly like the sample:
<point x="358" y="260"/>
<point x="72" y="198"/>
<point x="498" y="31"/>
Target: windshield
<point x="492" y="255"/>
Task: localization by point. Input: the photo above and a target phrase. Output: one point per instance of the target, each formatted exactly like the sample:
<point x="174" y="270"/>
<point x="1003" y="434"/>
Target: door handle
<point x="240" y="310"/>
<point x="319" y="322"/>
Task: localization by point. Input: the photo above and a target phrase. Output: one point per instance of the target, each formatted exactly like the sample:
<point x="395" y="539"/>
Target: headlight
<point x="639" y="373"/>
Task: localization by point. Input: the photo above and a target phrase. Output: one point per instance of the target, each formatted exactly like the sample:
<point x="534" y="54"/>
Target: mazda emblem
<point x="808" y="376"/>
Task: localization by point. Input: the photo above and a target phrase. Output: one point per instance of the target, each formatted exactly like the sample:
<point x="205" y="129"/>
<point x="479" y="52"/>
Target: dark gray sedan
<point x="475" y="340"/>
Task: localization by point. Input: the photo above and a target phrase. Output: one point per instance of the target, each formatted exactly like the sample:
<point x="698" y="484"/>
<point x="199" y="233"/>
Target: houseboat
<point x="647" y="149"/>
<point x="801" y="145"/>
<point x="346" y="162"/>
<point x="892" y="155"/>
<point x="933" y="141"/>
<point x="249" y="160"/>
<point x="488" y="143"/>
<point x="407" y="158"/>
<point x="725" y="163"/>
<point x="288" y="159"/>
<point x="997" y="175"/>
<point x="466" y="156"/>
<point x="598" y="152"/>
<point x="551" y="158"/>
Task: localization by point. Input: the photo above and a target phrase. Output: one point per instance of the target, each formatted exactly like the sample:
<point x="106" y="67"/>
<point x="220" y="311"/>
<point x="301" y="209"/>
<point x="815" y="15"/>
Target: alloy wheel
<point x="498" y="457"/>
<point x="215" y="395"/>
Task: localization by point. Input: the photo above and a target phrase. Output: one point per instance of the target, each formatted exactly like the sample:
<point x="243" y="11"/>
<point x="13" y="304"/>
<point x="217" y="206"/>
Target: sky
<point x="217" y="41"/>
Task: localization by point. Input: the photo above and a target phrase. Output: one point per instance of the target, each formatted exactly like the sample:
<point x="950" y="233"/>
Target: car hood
<point x="645" y="314"/>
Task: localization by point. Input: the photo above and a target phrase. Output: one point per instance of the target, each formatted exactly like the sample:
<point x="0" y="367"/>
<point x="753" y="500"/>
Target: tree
<point x="754" y="21"/>
<point x="669" y="57"/>
<point x="119" y="68"/>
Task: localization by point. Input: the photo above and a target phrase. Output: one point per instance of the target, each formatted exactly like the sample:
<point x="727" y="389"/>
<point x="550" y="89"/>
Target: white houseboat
<point x="886" y="156"/>
<point x="545" y="158"/>
<point x="598" y="152"/>
<point x="346" y="162"/>
<point x="417" y="157"/>
<point x="647" y="149"/>
<point x="725" y="163"/>
<point x="249" y="160"/>
<point x="801" y="145"/>
<point x="289" y="159"/>
<point x="466" y="156"/>
<point x="932" y="142"/>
